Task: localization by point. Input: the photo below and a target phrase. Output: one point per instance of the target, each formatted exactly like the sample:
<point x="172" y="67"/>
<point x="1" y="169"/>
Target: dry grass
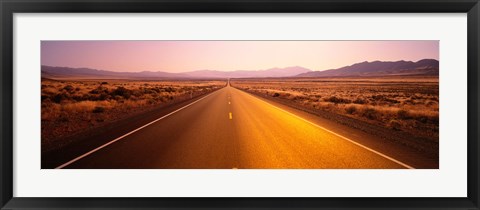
<point x="73" y="106"/>
<point x="410" y="104"/>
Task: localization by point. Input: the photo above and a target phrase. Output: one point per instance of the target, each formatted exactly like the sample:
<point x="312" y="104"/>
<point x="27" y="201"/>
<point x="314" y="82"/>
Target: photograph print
<point x="128" y="104"/>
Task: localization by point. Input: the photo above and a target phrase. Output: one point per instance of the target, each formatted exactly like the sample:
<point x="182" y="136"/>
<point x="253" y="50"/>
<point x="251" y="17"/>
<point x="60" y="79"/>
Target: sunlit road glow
<point x="261" y="136"/>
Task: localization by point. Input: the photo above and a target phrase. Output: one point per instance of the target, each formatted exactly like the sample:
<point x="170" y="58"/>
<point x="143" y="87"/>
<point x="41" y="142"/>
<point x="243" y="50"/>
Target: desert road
<point x="231" y="129"/>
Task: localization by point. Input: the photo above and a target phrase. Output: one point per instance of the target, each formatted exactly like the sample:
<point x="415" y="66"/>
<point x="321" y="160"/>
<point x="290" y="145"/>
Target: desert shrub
<point x="86" y="97"/>
<point x="394" y="124"/>
<point x="409" y="101"/>
<point x="78" y="97"/>
<point x="337" y="100"/>
<point x="403" y="114"/>
<point x="69" y="88"/>
<point x="104" y="83"/>
<point x="151" y="101"/>
<point x="160" y="98"/>
<point x="121" y="91"/>
<point x="301" y="97"/>
<point x="169" y="89"/>
<point x="384" y="98"/>
<point x="360" y="101"/>
<point x="369" y="113"/>
<point x="430" y="103"/>
<point x="415" y="96"/>
<point x="98" y="109"/>
<point x="60" y="97"/>
<point x="391" y="100"/>
<point x="149" y="91"/>
<point x="104" y="96"/>
<point x="350" y="109"/>
<point x="99" y="90"/>
<point x="276" y="94"/>
<point x="63" y="118"/>
<point x="136" y="93"/>
<point x="422" y="119"/>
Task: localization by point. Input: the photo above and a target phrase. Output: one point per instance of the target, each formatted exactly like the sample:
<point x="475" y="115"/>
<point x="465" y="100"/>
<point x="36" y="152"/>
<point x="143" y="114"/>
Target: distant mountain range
<point x="86" y="73"/>
<point x="376" y="68"/>
<point x="273" y="72"/>
<point x="380" y="68"/>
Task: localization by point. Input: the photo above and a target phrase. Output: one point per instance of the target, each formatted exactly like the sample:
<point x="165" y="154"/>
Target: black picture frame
<point x="10" y="7"/>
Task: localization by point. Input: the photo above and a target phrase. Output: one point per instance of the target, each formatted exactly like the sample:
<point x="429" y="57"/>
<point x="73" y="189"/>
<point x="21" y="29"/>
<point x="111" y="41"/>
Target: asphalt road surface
<point x="231" y="129"/>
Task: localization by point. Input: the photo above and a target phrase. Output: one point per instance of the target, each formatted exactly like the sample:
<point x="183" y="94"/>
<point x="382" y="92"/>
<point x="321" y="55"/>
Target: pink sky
<point x="179" y="56"/>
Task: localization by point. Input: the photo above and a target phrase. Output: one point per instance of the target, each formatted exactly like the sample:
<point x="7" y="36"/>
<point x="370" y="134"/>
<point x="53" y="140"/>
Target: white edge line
<point x="127" y="134"/>
<point x="354" y="142"/>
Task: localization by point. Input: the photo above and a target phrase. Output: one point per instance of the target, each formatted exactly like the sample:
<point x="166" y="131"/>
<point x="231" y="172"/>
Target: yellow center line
<point x="229" y="102"/>
<point x="230" y="115"/>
